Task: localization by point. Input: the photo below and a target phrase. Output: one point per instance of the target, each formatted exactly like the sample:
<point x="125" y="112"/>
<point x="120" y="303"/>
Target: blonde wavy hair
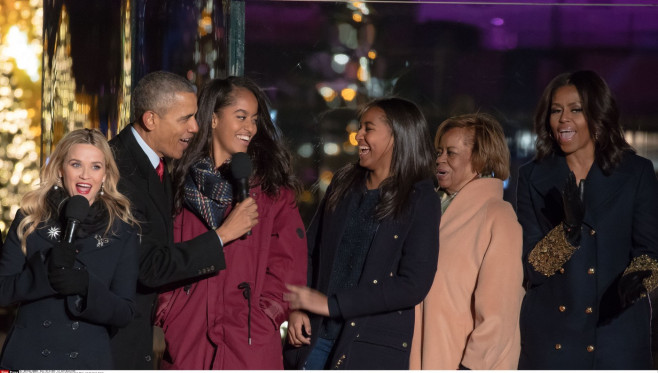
<point x="34" y="206"/>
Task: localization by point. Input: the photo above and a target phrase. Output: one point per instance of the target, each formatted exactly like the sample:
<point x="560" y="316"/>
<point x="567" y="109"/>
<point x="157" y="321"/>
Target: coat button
<point x="404" y="344"/>
<point x="73" y="355"/>
<point x="562" y="308"/>
<point x="590" y="348"/>
<point x="75" y="325"/>
<point x="45" y="352"/>
<point x="374" y="282"/>
<point x="47" y="323"/>
<point x="558" y="346"/>
<point x="147" y="358"/>
<point x="390" y="274"/>
<point x="588" y="310"/>
<point x="592" y="232"/>
<point x="352" y="323"/>
<point x="591" y="271"/>
<point x="562" y="270"/>
<point x="395" y="236"/>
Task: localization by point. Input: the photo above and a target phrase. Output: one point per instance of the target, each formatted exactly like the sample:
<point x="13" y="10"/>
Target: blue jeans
<point x="317" y="358"/>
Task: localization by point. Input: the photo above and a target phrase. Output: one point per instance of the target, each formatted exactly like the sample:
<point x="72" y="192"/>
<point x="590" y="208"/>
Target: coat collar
<point x="135" y="158"/>
<point x="550" y="174"/>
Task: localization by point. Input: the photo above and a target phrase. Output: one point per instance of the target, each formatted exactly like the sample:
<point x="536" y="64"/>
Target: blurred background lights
<point x="331" y="148"/>
<point x="327" y="93"/>
<point x="348" y="94"/>
<point x="352" y="139"/>
<point x="17" y="47"/>
<point x="305" y="150"/>
<point x="497" y="21"/>
<point x="341" y="58"/>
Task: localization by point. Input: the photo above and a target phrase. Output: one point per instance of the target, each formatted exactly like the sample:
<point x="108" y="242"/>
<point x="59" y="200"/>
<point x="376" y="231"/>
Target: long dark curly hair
<point x="601" y="113"/>
<point x="271" y="159"/>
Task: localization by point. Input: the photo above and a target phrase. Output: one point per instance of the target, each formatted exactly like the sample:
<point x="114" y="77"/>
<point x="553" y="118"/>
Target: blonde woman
<point x="70" y="295"/>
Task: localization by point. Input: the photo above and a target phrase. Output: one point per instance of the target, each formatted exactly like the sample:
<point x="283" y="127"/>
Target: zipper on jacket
<point x="246" y="292"/>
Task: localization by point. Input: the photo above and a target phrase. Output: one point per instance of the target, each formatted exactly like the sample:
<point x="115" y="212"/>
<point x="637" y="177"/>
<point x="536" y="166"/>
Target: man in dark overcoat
<point x="164" y="107"/>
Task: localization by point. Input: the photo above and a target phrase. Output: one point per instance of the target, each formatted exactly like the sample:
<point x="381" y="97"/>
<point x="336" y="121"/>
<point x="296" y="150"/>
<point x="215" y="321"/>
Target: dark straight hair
<point x="412" y="159"/>
<point x="601" y="113"/>
<point x="271" y="159"/>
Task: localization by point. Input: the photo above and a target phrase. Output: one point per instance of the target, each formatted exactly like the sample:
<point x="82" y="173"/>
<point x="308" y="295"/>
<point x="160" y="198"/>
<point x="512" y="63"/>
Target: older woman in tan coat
<point x="470" y="318"/>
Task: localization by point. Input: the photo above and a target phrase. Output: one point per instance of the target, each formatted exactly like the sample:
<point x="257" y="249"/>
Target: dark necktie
<point x="160" y="169"/>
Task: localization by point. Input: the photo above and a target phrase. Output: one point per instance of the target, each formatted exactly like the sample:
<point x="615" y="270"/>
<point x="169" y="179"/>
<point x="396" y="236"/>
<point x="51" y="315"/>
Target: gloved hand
<point x="69" y="281"/>
<point x="631" y="288"/>
<point x="61" y="256"/>
<point x="574" y="208"/>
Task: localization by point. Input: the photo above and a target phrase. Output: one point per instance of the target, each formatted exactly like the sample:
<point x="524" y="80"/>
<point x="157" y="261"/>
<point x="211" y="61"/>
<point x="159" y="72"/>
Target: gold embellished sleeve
<point x="551" y="252"/>
<point x="643" y="263"/>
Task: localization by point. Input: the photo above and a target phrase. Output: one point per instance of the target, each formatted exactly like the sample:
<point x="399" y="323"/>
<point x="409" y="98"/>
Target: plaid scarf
<point x="207" y="192"/>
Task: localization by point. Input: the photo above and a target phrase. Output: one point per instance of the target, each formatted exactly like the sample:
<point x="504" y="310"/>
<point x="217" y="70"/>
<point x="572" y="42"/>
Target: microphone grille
<point x="241" y="166"/>
<point x="76" y="208"/>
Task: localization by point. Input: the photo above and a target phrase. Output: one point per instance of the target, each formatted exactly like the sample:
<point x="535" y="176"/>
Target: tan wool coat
<point x="471" y="314"/>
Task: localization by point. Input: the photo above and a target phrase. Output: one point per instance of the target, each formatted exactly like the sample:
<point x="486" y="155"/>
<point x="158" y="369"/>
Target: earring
<point x="58" y="183"/>
<point x="101" y="191"/>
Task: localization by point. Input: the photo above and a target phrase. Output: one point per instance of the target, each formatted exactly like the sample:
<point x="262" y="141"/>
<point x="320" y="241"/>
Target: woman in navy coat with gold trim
<point x="70" y="294"/>
<point x="589" y="210"/>
<point x="373" y="249"/>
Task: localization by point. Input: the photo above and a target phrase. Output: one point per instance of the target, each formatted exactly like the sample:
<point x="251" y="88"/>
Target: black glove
<point x="69" y="281"/>
<point x="631" y="288"/>
<point x="61" y="256"/>
<point x="574" y="208"/>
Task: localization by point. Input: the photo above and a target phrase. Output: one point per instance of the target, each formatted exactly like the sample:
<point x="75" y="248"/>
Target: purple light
<point x="497" y="21"/>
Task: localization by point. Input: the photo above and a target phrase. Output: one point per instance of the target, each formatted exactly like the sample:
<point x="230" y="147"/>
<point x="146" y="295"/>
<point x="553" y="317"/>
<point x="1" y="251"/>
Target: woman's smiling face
<point x="83" y="171"/>
<point x="568" y="123"/>
<point x="453" y="161"/>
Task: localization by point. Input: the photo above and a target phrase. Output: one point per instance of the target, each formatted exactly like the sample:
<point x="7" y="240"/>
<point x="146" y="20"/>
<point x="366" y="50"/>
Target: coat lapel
<point x="600" y="188"/>
<point x="159" y="193"/>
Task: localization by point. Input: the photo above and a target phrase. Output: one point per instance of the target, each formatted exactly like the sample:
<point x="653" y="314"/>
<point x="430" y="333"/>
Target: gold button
<point x="588" y="310"/>
<point x="562" y="308"/>
<point x="591" y="233"/>
<point x="558" y="346"/>
<point x="404" y="344"/>
<point x="590" y="348"/>
<point x="374" y="281"/>
<point x="590" y="271"/>
<point x="395" y="236"/>
<point x="352" y="323"/>
<point x="561" y="270"/>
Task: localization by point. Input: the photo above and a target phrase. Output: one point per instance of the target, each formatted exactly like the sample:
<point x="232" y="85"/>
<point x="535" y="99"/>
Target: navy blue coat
<point x="52" y="331"/>
<point x="573" y="319"/>
<point x="378" y="314"/>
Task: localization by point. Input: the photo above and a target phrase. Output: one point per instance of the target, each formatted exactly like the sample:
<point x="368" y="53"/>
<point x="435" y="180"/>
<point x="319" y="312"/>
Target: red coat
<point x="206" y="323"/>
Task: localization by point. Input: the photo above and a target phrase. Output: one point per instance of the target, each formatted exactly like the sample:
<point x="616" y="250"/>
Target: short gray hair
<point x="155" y="92"/>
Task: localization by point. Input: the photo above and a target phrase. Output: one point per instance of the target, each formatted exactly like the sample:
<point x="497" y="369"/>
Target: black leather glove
<point x="631" y="288"/>
<point x="69" y="281"/>
<point x="574" y="208"/>
<point x="61" y="256"/>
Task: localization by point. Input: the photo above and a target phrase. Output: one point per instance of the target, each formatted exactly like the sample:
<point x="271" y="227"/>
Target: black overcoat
<point x="573" y="319"/>
<point x="161" y="262"/>
<point x="52" y="331"/>
<point x="398" y="272"/>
